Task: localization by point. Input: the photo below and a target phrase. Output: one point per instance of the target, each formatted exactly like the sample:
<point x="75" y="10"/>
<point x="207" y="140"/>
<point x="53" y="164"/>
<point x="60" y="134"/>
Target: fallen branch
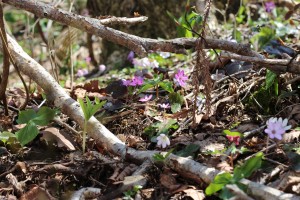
<point x="103" y="137"/>
<point x="277" y="65"/>
<point x="112" y="20"/>
<point x="139" y="45"/>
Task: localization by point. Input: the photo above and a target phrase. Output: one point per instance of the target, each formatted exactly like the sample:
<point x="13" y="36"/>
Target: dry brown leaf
<point x="133" y="141"/>
<point x="289" y="180"/>
<point x="168" y="180"/>
<point x="292" y="136"/>
<point x="53" y="135"/>
<point x="225" y="166"/>
<point x="79" y="93"/>
<point x="209" y="145"/>
<point x="246" y="127"/>
<point x="127" y="171"/>
<point x="194" y="194"/>
<point x="36" y="193"/>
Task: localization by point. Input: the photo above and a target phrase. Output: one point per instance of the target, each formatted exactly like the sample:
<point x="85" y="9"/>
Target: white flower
<point x="276" y="127"/>
<point x="163" y="141"/>
<point x="165" y="54"/>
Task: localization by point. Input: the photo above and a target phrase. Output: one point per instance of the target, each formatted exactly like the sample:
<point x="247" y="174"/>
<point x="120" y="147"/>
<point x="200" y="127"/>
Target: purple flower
<point x="130" y="56"/>
<point x="276" y="127"/>
<point x="88" y="59"/>
<point x="136" y="81"/>
<point x="146" y="98"/>
<point x="163" y="141"/>
<point x="82" y="72"/>
<point x="126" y="82"/>
<point x="180" y="78"/>
<point x="269" y="6"/>
<point x="164" y="105"/>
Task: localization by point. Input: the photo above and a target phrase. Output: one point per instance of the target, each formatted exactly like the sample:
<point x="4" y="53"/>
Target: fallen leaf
<point x="194" y="194"/>
<point x="292" y="136"/>
<point x="53" y="135"/>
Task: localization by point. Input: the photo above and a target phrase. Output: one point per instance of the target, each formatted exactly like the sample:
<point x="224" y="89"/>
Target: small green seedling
<point x="131" y="193"/>
<point x="33" y="119"/>
<point x="161" y="158"/>
<point x="157" y="82"/>
<point x="89" y="110"/>
<point x="240" y="172"/>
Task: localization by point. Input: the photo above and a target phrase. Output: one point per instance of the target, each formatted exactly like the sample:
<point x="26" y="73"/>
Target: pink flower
<point x="136" y="81"/>
<point x="235" y="139"/>
<point x="126" y="82"/>
<point x="164" y="105"/>
<point x="276" y="127"/>
<point x="180" y="78"/>
<point x="82" y="72"/>
<point x="146" y="98"/>
<point x="88" y="59"/>
<point x="270" y="6"/>
<point x="163" y="141"/>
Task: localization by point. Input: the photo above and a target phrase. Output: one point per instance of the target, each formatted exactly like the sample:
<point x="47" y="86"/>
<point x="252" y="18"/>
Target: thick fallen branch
<point x="139" y="45"/>
<point x="108" y="140"/>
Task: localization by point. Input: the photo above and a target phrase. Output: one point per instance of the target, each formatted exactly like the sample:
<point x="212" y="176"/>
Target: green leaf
<point x="270" y="78"/>
<point x="25" y="116"/>
<point x="166" y="85"/>
<point x="145" y="87"/>
<point x="218" y="183"/>
<point x="5" y="136"/>
<point x="89" y="109"/>
<point x="248" y="167"/>
<point x="228" y="132"/>
<point x="175" y="97"/>
<point x="166" y="125"/>
<point x="44" y="116"/>
<point x="265" y="35"/>
<point x="158" y="157"/>
<point x="27" y="134"/>
<point x="84" y="109"/>
<point x="189" y="150"/>
<point x="176" y="107"/>
<point x="213" y="188"/>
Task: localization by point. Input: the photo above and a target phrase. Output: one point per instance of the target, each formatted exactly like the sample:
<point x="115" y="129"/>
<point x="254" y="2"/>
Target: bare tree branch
<point x="139" y="45"/>
<point x="278" y="65"/>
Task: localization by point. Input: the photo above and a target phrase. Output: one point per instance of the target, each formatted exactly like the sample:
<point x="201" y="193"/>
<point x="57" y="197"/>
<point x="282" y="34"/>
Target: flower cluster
<point x="145" y="62"/>
<point x="180" y="78"/>
<point x="136" y="81"/>
<point x="163" y="141"/>
<point x="276" y="127"/>
<point x="82" y="72"/>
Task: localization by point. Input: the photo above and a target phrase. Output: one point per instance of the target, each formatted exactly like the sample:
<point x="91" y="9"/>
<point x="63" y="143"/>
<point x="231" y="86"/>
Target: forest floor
<point x="149" y="104"/>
